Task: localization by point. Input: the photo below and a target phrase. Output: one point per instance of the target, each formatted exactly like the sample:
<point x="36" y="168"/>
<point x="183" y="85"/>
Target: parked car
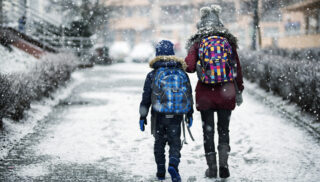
<point x="101" y="56"/>
<point x="119" y="51"/>
<point x="142" y="52"/>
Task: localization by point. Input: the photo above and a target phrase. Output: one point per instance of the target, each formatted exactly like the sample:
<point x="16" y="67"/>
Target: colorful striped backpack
<point x="171" y="91"/>
<point x="215" y="64"/>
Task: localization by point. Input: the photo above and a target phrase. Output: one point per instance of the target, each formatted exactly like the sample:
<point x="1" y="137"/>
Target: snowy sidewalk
<point x="94" y="135"/>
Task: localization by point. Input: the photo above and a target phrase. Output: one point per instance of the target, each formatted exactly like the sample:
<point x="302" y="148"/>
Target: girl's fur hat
<point x="210" y="24"/>
<point x="210" y="16"/>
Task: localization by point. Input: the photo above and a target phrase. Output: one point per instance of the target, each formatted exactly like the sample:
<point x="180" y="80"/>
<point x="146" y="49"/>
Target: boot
<point x="211" y="172"/>
<point x="224" y="150"/>
<point x="173" y="169"/>
<point x="161" y="172"/>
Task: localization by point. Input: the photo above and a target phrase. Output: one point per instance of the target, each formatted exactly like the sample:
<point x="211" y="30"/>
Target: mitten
<point x="239" y="99"/>
<point x="142" y="122"/>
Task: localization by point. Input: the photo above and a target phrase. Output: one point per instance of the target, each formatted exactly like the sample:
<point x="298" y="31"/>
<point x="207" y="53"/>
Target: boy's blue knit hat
<point x="164" y="48"/>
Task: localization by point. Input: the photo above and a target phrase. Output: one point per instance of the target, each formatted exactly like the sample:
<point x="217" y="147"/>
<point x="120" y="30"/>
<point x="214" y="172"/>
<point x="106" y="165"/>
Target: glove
<point x="189" y="120"/>
<point x="142" y="122"/>
<point x="239" y="99"/>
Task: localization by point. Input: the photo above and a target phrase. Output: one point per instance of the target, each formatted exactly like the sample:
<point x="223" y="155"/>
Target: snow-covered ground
<point x="15" y="61"/>
<point x="93" y="135"/>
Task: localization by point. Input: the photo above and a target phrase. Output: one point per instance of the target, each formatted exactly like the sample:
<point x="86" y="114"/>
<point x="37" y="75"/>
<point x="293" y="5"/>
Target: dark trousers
<point x="208" y="128"/>
<point x="167" y="130"/>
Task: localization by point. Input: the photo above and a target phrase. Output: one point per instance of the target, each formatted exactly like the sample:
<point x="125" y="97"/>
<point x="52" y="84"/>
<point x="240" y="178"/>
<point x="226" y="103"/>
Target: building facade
<point x="302" y="25"/>
<point x="282" y="23"/>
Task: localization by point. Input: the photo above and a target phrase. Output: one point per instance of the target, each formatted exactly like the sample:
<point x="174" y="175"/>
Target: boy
<point x="167" y="88"/>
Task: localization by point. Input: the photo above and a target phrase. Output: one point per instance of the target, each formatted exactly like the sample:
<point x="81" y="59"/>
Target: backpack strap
<point x="184" y="141"/>
<point x="189" y="131"/>
<point x="153" y="123"/>
<point x="233" y="65"/>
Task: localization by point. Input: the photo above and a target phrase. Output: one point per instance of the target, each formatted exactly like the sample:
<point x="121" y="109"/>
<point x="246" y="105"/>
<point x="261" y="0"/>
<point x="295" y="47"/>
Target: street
<point x="94" y="135"/>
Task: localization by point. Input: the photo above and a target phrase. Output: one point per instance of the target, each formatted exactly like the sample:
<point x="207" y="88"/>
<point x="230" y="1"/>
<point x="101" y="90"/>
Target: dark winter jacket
<point x="159" y="61"/>
<point x="219" y="96"/>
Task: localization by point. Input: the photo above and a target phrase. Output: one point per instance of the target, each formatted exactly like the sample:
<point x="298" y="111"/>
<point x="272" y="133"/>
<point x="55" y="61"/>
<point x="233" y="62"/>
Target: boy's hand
<point x="142" y="122"/>
<point x="189" y="119"/>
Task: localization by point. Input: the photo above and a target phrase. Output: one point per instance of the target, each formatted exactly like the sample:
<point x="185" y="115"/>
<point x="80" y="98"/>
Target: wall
<point x="300" y="41"/>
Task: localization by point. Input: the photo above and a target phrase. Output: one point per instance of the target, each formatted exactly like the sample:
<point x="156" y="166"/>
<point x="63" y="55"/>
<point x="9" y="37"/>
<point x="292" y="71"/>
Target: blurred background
<point x="82" y="25"/>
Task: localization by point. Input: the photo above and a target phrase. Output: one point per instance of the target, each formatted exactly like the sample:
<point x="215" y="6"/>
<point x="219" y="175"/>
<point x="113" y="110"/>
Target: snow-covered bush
<point x="6" y="96"/>
<point x="296" y="80"/>
<point x="312" y="54"/>
<point x="18" y="90"/>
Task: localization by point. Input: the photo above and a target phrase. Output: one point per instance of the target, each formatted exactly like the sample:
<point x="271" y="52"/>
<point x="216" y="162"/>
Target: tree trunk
<point x="1" y="15"/>
<point x="256" y="29"/>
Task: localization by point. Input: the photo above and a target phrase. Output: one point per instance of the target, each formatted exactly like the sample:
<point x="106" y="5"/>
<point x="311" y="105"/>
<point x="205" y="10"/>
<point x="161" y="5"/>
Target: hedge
<point x="293" y="79"/>
<point x="18" y="90"/>
<point x="312" y="54"/>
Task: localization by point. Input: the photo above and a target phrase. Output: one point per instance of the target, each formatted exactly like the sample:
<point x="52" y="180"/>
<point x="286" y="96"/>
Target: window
<point x="312" y="24"/>
<point x="292" y="27"/>
<point x="313" y="21"/>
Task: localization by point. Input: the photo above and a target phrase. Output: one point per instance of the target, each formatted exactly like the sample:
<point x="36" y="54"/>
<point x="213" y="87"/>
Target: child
<point x="212" y="52"/>
<point x="167" y="88"/>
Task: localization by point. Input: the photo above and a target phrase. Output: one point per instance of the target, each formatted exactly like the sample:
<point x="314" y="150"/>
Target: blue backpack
<point x="171" y="91"/>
